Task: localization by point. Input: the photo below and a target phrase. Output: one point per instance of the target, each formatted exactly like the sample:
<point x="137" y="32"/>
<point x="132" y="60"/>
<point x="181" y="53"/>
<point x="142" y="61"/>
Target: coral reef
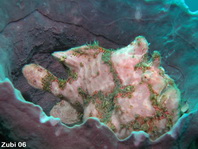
<point x="123" y="88"/>
<point x="31" y="31"/>
<point x="26" y="122"/>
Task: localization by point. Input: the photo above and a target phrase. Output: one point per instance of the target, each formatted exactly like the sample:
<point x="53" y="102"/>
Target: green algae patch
<point x="106" y="56"/>
<point x="47" y="81"/>
<point x="73" y="75"/>
<point x="62" y="83"/>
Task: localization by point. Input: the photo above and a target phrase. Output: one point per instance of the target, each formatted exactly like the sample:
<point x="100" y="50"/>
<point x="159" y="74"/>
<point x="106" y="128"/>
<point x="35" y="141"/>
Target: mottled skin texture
<point x="122" y="88"/>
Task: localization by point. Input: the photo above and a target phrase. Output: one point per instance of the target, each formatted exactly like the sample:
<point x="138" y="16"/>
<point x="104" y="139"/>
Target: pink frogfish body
<point x="122" y="88"/>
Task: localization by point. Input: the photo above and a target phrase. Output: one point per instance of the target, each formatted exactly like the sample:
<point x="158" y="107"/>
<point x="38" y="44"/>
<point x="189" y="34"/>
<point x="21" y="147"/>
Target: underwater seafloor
<point x="31" y="30"/>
